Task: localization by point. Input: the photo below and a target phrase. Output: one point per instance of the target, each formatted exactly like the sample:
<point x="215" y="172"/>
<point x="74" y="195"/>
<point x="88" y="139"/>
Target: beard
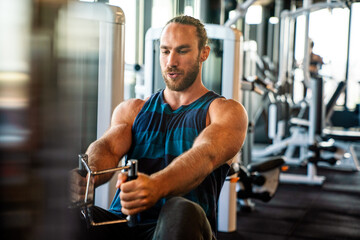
<point x="184" y="81"/>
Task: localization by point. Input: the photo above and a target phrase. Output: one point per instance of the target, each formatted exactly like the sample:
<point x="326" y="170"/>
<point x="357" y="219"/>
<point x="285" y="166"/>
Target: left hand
<point x="137" y="195"/>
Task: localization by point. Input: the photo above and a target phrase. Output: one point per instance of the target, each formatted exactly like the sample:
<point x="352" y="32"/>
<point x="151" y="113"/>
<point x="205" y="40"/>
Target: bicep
<point x="226" y="132"/>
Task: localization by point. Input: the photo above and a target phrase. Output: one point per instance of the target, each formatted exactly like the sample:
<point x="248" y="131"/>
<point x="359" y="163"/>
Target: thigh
<point x="182" y="219"/>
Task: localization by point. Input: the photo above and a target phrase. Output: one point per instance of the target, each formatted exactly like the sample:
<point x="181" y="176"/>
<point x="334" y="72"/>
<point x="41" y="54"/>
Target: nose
<point x="172" y="59"/>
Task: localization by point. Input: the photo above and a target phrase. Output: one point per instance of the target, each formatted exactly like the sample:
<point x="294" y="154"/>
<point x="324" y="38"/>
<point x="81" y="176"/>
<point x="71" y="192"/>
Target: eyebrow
<point x="177" y="48"/>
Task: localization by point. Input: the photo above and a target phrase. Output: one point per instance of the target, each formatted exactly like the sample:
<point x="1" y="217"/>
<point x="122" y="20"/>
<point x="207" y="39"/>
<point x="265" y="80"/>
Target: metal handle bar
<point x="86" y="204"/>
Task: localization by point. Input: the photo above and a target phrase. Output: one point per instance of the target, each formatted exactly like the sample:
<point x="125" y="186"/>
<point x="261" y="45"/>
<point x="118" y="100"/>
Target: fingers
<point x="122" y="177"/>
<point x="76" y="178"/>
<point x="76" y="195"/>
<point x="137" y="195"/>
<point x="133" y="211"/>
<point x="132" y="203"/>
<point x="77" y="186"/>
<point x="78" y="189"/>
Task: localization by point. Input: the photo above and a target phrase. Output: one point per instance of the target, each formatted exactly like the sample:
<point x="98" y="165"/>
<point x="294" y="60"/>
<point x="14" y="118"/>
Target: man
<point x="184" y="138"/>
<point x="316" y="61"/>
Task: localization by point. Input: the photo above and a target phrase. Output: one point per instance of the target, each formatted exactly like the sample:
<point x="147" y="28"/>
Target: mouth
<point x="173" y="75"/>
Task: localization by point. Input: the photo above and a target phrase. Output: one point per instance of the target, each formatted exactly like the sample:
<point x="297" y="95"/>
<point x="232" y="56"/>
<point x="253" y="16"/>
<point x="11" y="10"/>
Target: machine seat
<point x="266" y="165"/>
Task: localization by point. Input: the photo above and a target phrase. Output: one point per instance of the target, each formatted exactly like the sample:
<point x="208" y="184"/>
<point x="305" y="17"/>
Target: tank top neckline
<point x="182" y="107"/>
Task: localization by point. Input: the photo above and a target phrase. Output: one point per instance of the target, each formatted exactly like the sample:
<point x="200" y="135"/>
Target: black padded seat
<point x="266" y="165"/>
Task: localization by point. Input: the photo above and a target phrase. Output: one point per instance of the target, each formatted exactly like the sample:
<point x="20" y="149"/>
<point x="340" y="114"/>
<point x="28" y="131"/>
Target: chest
<point x="173" y="132"/>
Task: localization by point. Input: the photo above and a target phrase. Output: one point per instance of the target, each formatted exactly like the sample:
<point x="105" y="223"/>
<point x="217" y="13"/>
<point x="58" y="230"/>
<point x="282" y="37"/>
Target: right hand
<point x="77" y="186"/>
<point x="139" y="194"/>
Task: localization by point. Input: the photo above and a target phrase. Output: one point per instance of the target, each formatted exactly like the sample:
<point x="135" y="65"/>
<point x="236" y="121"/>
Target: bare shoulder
<point x="227" y="110"/>
<point x="127" y="111"/>
<point x="228" y="113"/>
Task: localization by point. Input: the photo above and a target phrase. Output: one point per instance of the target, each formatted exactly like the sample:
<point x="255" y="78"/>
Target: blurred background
<point x="49" y="68"/>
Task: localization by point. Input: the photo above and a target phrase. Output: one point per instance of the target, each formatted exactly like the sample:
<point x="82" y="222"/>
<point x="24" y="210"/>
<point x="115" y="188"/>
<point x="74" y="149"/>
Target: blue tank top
<point x="160" y="134"/>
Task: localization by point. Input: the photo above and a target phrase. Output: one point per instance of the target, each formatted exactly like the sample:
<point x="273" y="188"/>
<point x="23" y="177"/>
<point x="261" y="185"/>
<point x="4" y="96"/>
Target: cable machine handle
<point x="132" y="174"/>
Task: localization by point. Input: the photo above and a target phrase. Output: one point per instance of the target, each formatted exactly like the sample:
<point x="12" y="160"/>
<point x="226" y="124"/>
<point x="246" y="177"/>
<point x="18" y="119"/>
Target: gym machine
<point x="87" y="203"/>
<point x="307" y="134"/>
<point x="94" y="33"/>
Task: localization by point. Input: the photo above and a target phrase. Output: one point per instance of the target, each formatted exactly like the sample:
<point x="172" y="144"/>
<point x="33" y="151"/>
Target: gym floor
<point x="330" y="211"/>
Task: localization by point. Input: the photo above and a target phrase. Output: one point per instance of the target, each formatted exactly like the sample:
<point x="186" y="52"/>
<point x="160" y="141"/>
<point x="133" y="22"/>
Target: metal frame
<point x="111" y="67"/>
<point x="285" y="64"/>
<point x="89" y="193"/>
<point x="285" y="31"/>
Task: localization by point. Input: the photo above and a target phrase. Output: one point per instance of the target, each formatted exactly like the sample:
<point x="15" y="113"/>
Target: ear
<point x="204" y="53"/>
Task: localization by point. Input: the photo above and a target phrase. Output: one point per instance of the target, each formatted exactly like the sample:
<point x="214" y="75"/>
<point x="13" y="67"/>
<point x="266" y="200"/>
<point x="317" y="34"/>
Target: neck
<point x="177" y="99"/>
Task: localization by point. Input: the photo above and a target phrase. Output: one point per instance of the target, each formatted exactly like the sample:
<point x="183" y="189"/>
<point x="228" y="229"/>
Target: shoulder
<point x="227" y="109"/>
<point x="225" y="105"/>
<point x="127" y="111"/>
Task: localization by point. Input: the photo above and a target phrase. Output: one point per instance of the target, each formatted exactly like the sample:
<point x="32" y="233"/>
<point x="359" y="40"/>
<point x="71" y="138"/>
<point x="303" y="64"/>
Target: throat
<point x="179" y="99"/>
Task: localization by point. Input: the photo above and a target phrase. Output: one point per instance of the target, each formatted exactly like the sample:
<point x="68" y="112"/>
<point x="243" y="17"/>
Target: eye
<point x="164" y="52"/>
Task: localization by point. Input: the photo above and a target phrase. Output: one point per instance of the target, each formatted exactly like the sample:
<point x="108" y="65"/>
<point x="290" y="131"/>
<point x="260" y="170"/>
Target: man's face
<point x="179" y="57"/>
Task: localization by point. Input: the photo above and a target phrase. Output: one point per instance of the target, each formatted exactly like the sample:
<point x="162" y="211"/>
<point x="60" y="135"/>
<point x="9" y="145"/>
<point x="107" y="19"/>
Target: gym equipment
<point x="251" y="85"/>
<point x="260" y="180"/>
<point x="94" y="33"/>
<point x="88" y="202"/>
<point x="240" y="12"/>
<point x="256" y="181"/>
<point x="309" y="137"/>
<point x="306" y="135"/>
<point x="298" y="136"/>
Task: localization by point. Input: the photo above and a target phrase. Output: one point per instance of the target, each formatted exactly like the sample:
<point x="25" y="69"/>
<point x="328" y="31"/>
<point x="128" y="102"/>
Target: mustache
<point x="173" y="70"/>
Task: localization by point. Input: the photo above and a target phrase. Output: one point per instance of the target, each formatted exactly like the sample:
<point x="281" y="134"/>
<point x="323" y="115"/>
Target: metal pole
<point x="222" y="12"/>
<point x="347" y="58"/>
<point x="279" y="6"/>
<point x="240" y="12"/>
<point x="315" y="7"/>
<point x="306" y="60"/>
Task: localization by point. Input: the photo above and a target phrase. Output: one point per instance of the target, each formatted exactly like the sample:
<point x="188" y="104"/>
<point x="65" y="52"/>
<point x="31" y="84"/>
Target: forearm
<point x="189" y="170"/>
<point x="183" y="174"/>
<point x="100" y="158"/>
<point x="106" y="152"/>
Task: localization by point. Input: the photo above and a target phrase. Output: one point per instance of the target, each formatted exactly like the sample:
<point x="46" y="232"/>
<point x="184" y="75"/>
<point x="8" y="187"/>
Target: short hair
<point x="200" y="28"/>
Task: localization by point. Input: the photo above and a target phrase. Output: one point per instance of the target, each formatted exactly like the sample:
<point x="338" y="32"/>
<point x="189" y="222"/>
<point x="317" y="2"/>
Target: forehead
<point x="178" y="34"/>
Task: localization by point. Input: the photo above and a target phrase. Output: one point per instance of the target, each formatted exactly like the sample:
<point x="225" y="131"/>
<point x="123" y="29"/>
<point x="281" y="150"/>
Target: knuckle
<point x="146" y="201"/>
<point x="143" y="194"/>
<point x="124" y="204"/>
<point x="124" y="211"/>
<point x="123" y="196"/>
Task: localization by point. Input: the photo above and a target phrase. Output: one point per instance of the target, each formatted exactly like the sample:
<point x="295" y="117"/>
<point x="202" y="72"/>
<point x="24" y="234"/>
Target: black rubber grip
<point x="132" y="175"/>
